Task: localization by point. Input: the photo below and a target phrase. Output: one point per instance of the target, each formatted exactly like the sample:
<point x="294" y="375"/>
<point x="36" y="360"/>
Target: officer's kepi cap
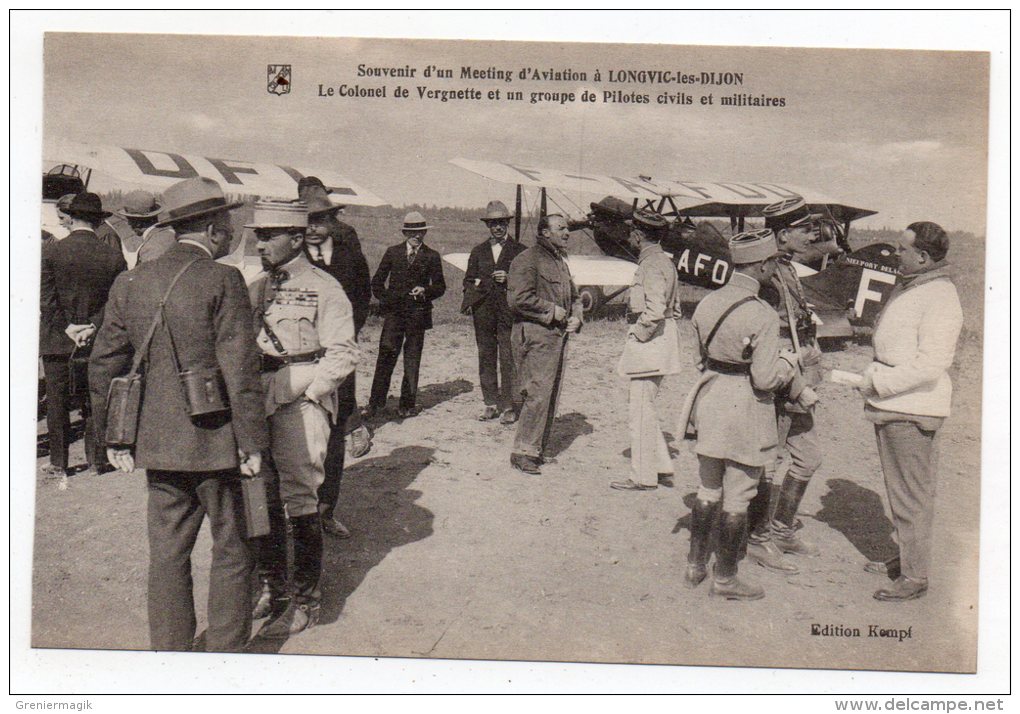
<point x="648" y="220"/>
<point x="279" y="214"/>
<point x="753" y="246"/>
<point x="788" y="213"/>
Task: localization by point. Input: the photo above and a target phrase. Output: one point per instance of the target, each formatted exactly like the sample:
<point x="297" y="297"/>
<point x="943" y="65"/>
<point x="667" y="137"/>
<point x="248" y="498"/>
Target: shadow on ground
<point x="378" y="505"/>
<point x="429" y="396"/>
<point x="857" y="513"/>
<point x="565" y="429"/>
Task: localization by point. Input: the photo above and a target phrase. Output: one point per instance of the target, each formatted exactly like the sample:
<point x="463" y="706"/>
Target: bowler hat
<point x="414" y="221"/>
<point x="139" y="204"/>
<point x="648" y="220"/>
<point x="279" y="214"/>
<point x="787" y="213"/>
<point x="753" y="246"/>
<point x="496" y="211"/>
<point x="192" y="198"/>
<point x="87" y="205"/>
<point x="317" y="200"/>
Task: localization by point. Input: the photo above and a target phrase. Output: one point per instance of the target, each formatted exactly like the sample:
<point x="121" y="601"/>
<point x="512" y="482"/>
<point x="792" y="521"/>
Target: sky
<point x="900" y="132"/>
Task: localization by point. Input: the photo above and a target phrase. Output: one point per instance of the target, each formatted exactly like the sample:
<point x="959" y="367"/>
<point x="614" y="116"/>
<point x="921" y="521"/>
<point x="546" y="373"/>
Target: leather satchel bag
<point x="124" y="399"/>
<point x="256" y="507"/>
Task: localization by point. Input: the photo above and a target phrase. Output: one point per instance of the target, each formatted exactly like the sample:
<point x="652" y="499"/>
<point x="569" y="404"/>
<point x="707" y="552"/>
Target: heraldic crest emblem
<point x="278" y="79"/>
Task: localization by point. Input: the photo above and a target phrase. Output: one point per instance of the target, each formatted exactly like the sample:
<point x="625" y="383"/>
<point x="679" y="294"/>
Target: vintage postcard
<point x="468" y="525"/>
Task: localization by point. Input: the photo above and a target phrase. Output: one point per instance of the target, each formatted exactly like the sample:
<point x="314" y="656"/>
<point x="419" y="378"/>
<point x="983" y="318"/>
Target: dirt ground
<point x="456" y="555"/>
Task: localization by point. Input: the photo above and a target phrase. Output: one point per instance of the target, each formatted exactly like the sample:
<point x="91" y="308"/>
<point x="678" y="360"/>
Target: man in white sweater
<point x="908" y="393"/>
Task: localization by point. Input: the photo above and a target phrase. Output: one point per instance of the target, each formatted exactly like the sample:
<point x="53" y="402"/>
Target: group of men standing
<point x="279" y="355"/>
<point x="760" y="362"/>
<point x="282" y="351"/>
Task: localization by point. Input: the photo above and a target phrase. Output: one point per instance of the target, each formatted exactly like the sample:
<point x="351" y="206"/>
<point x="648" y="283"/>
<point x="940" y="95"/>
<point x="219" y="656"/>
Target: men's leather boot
<point x="725" y="583"/>
<point x="303" y="610"/>
<point x="271" y="561"/>
<point x="272" y="598"/>
<point x="703" y="517"/>
<point x="760" y="547"/>
<point x="784" y="532"/>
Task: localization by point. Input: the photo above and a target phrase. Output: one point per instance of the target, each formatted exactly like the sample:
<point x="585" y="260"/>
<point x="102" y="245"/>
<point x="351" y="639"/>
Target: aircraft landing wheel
<point x="592" y="298"/>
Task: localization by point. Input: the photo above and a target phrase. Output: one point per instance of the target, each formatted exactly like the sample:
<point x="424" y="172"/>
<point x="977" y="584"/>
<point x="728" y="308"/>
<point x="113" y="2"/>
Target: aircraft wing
<point x="512" y="173"/>
<point x="600" y="270"/>
<point x="155" y="170"/>
<point x="748" y="199"/>
<point x="689" y="198"/>
<point x="458" y="260"/>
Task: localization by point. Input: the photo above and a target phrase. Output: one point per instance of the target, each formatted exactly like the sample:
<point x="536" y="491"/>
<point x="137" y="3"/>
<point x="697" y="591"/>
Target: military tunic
<point x="796" y="424"/>
<point x="302" y="314"/>
<point x="734" y="413"/>
<point x="651" y="351"/>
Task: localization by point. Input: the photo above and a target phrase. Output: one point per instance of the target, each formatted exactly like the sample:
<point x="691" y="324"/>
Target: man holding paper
<point x="907" y="394"/>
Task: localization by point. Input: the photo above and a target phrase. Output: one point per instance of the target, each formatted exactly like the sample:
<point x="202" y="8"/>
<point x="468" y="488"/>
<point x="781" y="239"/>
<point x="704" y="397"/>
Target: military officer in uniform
<point x="485" y="299"/>
<point x="773" y="511"/>
<point x="732" y="410"/>
<point x="305" y="328"/>
<point x="652" y="351"/>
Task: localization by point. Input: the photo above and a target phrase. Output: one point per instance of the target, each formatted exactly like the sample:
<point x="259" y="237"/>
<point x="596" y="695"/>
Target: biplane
<point x="846" y="287"/>
<point x="75" y="166"/>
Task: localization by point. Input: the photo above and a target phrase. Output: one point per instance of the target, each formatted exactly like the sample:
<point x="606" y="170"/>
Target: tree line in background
<point x="451" y="213"/>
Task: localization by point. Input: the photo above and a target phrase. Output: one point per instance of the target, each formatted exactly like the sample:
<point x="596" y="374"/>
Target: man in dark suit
<point x="485" y="299"/>
<point x="409" y="278"/>
<point x="193" y="465"/>
<point x="333" y="245"/>
<point x="77" y="273"/>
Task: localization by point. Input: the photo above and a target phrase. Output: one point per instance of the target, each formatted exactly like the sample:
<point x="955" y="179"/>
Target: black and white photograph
<point x="601" y="352"/>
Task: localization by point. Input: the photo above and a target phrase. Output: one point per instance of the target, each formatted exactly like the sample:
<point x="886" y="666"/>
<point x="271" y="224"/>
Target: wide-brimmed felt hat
<point x="139" y="204"/>
<point x="279" y="214"/>
<point x="192" y="198"/>
<point x="753" y="246"/>
<point x="414" y="221"/>
<point x="496" y="211"/>
<point x="317" y="200"/>
<point x="87" y="205"/>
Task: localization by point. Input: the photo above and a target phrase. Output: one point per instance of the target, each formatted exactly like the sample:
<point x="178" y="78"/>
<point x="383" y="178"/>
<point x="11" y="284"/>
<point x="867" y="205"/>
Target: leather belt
<point x="740" y="368"/>
<point x="272" y="363"/>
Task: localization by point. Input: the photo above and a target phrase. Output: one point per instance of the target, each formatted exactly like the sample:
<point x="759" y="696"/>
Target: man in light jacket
<point x="651" y="352"/>
<point x="907" y="394"/>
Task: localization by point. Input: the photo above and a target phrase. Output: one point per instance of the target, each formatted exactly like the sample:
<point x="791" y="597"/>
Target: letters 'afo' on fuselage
<point x="846" y="287"/>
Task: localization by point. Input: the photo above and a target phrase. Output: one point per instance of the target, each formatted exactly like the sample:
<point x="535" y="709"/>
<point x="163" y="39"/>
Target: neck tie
<point x="411" y="255"/>
<point x="316" y="251"/>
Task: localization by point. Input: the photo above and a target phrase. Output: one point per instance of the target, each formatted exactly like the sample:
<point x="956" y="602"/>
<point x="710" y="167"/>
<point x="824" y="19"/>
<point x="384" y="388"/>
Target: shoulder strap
<point x="143" y="351"/>
<point x="720" y="321"/>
